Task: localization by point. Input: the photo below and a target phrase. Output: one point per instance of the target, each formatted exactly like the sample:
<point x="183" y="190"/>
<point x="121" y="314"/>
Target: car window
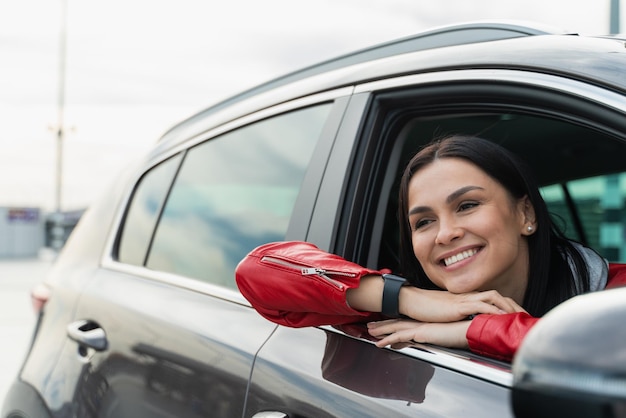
<point x="143" y="211"/>
<point x="580" y="171"/>
<point x="233" y="193"/>
<point x="590" y="210"/>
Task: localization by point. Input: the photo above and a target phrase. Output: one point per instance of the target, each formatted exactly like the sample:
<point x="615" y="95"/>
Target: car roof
<point x="505" y="45"/>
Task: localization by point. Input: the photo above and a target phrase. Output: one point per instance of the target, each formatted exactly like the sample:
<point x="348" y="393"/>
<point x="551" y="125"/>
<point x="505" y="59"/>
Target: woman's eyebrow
<point x="460" y="192"/>
<point x="418" y="209"/>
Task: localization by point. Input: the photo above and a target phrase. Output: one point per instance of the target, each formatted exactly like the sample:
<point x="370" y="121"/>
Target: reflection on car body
<point x="361" y="368"/>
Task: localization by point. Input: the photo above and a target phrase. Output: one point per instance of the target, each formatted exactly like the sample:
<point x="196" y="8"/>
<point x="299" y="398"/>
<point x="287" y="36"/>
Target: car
<point x="140" y="315"/>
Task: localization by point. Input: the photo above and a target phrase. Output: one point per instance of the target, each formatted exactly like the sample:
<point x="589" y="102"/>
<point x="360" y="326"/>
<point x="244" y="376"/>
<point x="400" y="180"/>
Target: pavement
<point x="17" y="318"/>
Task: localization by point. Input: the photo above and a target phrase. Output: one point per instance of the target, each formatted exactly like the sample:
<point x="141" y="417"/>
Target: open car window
<point x="579" y="170"/>
<point x="579" y="163"/>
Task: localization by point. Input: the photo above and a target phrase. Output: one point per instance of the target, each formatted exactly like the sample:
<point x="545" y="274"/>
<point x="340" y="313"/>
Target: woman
<point x="477" y="243"/>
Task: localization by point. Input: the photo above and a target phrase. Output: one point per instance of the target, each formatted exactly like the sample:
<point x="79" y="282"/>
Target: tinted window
<point x="598" y="203"/>
<point x="580" y="171"/>
<point x="144" y="210"/>
<point x="233" y="193"/>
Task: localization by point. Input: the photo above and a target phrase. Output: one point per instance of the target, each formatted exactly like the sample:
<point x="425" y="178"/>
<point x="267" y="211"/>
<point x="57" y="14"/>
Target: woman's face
<point x="468" y="233"/>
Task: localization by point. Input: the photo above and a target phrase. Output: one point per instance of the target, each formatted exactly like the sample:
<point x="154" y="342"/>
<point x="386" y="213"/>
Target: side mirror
<point x="573" y="362"/>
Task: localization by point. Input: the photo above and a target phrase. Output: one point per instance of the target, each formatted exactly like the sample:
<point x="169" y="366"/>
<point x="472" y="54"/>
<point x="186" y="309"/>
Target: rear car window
<point x="144" y="210"/>
<point x="231" y="194"/>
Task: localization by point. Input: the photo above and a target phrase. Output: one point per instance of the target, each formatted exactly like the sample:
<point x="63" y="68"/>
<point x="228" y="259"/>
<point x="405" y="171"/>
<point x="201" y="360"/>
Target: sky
<point x="133" y="68"/>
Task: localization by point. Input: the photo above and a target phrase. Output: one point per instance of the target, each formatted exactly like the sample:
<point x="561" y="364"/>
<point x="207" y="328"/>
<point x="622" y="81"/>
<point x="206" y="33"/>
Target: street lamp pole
<point x="614" y="17"/>
<point x="57" y="231"/>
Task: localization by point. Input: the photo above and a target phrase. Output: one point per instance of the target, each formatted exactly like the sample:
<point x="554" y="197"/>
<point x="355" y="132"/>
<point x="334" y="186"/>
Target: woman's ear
<point x="527" y="210"/>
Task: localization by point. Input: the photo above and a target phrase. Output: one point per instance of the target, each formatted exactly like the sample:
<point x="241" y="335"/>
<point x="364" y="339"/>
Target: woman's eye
<point x="467" y="205"/>
<point x="421" y="223"/>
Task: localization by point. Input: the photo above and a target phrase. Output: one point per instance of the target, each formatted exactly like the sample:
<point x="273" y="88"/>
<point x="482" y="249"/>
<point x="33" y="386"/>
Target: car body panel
<point x="330" y="196"/>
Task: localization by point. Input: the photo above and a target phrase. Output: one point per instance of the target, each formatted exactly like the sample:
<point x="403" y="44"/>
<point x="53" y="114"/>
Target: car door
<point x="337" y="372"/>
<point x="160" y="329"/>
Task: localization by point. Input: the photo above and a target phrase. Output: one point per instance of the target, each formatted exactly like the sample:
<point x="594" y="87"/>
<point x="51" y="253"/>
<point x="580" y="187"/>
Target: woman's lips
<point x="462" y="255"/>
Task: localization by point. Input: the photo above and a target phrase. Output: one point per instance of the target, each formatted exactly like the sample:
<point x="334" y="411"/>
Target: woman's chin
<point x="459" y="288"/>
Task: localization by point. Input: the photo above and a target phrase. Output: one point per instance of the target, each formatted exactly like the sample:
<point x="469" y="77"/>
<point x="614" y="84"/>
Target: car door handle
<point x="270" y="414"/>
<point x="88" y="333"/>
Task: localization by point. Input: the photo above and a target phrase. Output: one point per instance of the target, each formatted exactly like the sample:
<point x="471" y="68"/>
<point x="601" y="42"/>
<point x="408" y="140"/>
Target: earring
<point x="529" y="228"/>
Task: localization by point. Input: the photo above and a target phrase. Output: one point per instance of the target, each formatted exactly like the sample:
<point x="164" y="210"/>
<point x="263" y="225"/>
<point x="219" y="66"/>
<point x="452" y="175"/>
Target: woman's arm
<point x="499" y="336"/>
<point x="296" y="284"/>
<point x="429" y="305"/>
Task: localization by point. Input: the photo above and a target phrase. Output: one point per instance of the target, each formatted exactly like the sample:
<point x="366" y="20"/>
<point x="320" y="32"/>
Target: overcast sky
<point x="136" y="67"/>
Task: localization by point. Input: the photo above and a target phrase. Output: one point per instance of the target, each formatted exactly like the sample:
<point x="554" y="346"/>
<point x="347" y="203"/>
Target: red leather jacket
<point x="298" y="285"/>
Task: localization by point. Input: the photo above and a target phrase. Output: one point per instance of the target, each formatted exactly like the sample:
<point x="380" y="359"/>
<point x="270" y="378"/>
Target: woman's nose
<point x="448" y="232"/>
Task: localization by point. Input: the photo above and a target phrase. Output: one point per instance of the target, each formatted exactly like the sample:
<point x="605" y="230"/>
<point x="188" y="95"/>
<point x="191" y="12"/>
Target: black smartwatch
<point x="391" y="292"/>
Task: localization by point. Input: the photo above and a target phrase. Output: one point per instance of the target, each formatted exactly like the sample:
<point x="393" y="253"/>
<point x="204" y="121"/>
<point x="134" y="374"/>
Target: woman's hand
<point x="443" y="306"/>
<point x="399" y="333"/>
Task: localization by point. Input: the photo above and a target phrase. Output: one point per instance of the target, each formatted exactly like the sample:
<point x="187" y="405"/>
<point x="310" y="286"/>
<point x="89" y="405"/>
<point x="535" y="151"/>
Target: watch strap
<point x="391" y="293"/>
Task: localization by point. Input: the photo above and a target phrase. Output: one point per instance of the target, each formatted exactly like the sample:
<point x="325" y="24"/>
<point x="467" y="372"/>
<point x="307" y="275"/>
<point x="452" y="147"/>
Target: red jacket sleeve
<point x="298" y="285"/>
<point x="617" y="275"/>
<point x="499" y="336"/>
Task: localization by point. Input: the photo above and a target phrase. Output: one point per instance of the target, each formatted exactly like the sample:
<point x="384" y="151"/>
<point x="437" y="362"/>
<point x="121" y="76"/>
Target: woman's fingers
<point x="398" y="333"/>
<point x="382" y="328"/>
<point x="492" y="302"/>
<point x="396" y="338"/>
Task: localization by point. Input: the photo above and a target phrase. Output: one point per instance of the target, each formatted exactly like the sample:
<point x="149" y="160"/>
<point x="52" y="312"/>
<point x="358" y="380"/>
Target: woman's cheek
<point x="421" y="246"/>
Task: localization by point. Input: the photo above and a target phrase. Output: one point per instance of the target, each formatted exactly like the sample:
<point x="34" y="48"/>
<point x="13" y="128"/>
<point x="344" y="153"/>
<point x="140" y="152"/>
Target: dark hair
<point x="551" y="279"/>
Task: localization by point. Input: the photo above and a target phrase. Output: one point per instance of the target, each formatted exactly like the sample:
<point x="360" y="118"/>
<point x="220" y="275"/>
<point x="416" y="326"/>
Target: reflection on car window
<point x="233" y="193"/>
<point x="598" y="201"/>
<point x="143" y="211"/>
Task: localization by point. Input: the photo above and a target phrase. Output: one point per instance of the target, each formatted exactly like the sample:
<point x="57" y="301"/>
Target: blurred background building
<point x="21" y="232"/>
<point x="24" y="232"/>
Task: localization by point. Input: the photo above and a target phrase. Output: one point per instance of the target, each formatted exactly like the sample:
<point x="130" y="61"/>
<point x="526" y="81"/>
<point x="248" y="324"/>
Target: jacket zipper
<point x="311" y="271"/>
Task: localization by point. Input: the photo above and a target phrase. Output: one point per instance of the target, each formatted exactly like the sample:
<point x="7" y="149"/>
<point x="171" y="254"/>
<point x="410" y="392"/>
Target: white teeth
<point x="460" y="256"/>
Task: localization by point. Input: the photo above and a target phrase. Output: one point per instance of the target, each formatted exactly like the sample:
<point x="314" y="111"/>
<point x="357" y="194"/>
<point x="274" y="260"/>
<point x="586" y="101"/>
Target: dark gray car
<point x="141" y="316"/>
